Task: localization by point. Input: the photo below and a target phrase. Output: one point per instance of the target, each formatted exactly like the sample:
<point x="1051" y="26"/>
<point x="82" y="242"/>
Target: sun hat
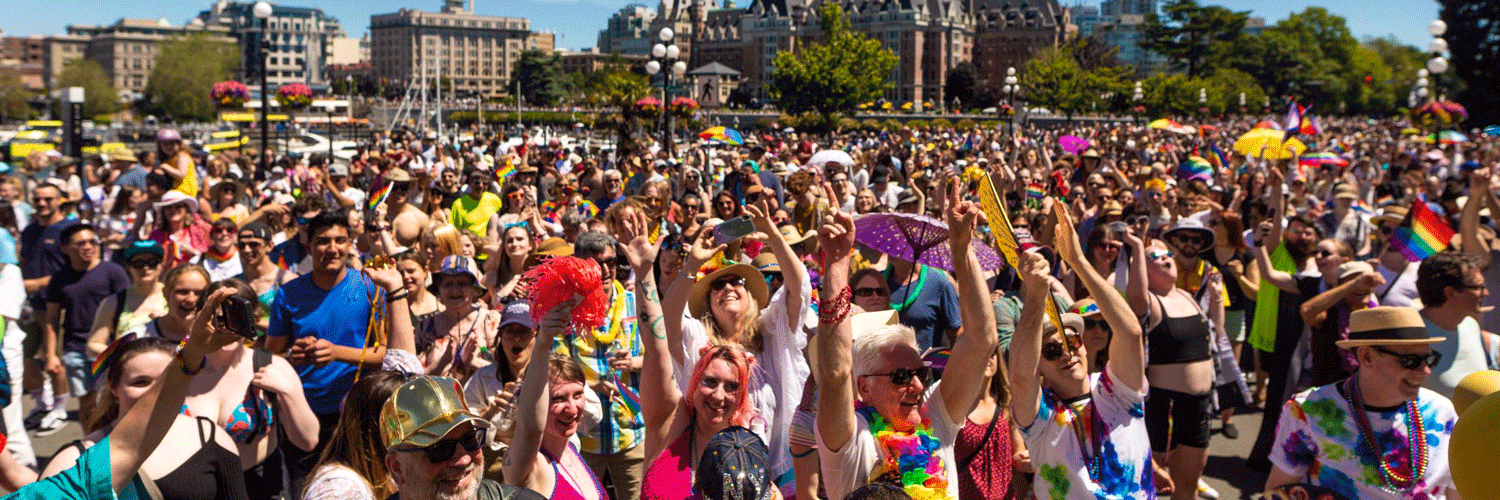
<point x="517" y="313"/>
<point x="123" y="154"/>
<point x="548" y="248"/>
<point x="1345" y="192"/>
<point x="174" y="197"/>
<point x="397" y="175"/>
<point x="1189" y="224"/>
<point x="792" y="237"/>
<point x="1068" y="320"/>
<point x="754" y="283"/>
<point x="138" y="247"/>
<point x="423" y="410"/>
<point x="1387" y="325"/>
<point x="1086" y="308"/>
<point x="338" y="170"/>
<point x="455" y="265"/>
<point x="735" y="465"/>
<point x="1394" y="213"/>
<point x="766" y="263"/>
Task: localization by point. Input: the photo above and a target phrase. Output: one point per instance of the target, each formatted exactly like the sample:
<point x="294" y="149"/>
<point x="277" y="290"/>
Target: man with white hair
<point x="1086" y="433"/>
<point x="873" y="390"/>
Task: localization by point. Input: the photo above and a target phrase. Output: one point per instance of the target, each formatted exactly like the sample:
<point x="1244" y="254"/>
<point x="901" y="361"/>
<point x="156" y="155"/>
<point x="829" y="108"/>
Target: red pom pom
<point x="562" y="278"/>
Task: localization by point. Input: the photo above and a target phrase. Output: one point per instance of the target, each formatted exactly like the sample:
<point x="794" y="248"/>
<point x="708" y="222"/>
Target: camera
<point x="238" y="316"/>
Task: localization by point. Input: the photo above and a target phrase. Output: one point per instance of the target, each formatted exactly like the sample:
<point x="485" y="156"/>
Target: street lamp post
<point x="662" y="55"/>
<point x="1010" y="88"/>
<point x="262" y="11"/>
<point x="1437" y="65"/>
<point x="1136" y="98"/>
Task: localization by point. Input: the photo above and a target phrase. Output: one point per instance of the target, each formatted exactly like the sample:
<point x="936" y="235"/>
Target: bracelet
<point x="398" y="295"/>
<point x="836" y="308"/>
<point x="182" y="362"/>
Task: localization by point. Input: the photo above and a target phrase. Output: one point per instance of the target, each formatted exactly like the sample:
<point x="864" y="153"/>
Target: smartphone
<point x="733" y="229"/>
<point x="238" y="315"/>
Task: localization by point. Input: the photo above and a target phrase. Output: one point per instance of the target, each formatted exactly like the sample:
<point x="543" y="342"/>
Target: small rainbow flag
<point x="1196" y="169"/>
<point x="629" y="396"/>
<point x="1087" y="309"/>
<point x="1034" y="193"/>
<point x="504" y="171"/>
<point x="1422" y="234"/>
<point x="1216" y="156"/>
<point x="588" y="208"/>
<point x="937" y="359"/>
<point x="380" y="196"/>
<point x="281" y="262"/>
<point x="107" y="356"/>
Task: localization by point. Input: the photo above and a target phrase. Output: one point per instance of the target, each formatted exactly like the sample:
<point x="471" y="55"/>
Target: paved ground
<point x="1226" y="469"/>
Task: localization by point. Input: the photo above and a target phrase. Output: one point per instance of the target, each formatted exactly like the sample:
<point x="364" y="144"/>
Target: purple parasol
<point x="915" y="238"/>
<point x="1073" y="144"/>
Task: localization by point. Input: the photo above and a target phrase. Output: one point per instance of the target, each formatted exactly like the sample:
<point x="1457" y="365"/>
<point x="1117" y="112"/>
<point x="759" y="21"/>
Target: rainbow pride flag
<point x="504" y="171"/>
<point x="380" y="196"/>
<point x="1217" y="157"/>
<point x="1422" y="234"/>
<point x="1196" y="168"/>
<point x="107" y="356"/>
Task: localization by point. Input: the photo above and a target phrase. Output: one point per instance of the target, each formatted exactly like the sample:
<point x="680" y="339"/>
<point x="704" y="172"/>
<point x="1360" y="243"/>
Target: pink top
<point x="564" y="489"/>
<point x="670" y="477"/>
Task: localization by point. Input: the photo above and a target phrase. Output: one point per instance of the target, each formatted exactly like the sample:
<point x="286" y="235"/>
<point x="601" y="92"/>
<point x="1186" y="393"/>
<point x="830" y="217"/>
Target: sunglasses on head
<point x="903" y="376"/>
<point x="1412" y="361"/>
<point x="723" y="283"/>
<point x="441" y="451"/>
<point x="1052" y="351"/>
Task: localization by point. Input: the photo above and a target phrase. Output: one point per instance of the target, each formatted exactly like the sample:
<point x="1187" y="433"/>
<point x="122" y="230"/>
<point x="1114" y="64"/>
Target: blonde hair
<point x="749" y="333"/>
<point x="446" y="238"/>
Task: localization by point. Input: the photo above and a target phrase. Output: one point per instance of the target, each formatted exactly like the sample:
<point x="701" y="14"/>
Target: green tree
<point x="615" y="85"/>
<point x="99" y="95"/>
<point x="1053" y="80"/>
<point x="847" y="68"/>
<point x="1474" y="44"/>
<point x="1191" y="35"/>
<point x="540" y="76"/>
<point x="185" y="70"/>
<point x="14" y="99"/>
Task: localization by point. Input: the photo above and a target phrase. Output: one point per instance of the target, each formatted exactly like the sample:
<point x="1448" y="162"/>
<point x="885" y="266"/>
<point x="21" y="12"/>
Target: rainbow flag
<point x="1422" y="234"/>
<point x="629" y="396"/>
<point x="1034" y="193"/>
<point x="1196" y="168"/>
<point x="107" y="356"/>
<point x="380" y="196"/>
<point x="504" y="171"/>
<point x="588" y="208"/>
<point x="1217" y="157"/>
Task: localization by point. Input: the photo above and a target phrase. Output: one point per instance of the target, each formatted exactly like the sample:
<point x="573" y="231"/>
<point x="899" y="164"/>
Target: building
<point x="346" y="51"/>
<point x="301" y="40"/>
<point x="1127" y="7"/>
<point x="1086" y="17"/>
<point x="475" y="53"/>
<point x="126" y="49"/>
<point x="626" y="31"/>
<point x="1010" y="33"/>
<point x="57" y="50"/>
<point x="591" y="60"/>
<point x="24" y="58"/>
<point x="1125" y="33"/>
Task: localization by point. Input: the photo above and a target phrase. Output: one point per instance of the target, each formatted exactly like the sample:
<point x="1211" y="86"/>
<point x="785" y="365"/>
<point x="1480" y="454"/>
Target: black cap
<point x="735" y="466"/>
<point x="257" y="229"/>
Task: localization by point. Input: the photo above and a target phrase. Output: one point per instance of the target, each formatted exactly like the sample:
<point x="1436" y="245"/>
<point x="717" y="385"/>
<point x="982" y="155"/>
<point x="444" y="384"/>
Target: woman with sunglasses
<point x="731" y="305"/>
<point x="871" y="293"/>
<point x="692" y="213"/>
<point x="1051" y="402"/>
<point x="679" y="422"/>
<point x="133" y="309"/>
<point x="178" y="229"/>
<point x="220" y="258"/>
<point x="1181" y="368"/>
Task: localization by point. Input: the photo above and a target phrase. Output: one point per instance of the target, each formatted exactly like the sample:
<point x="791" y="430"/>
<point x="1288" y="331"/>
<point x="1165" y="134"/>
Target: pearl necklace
<point x="1416" y="439"/>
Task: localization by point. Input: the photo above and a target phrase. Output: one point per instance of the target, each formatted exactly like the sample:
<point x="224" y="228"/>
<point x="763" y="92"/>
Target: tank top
<point x="670" y="477"/>
<point x="564" y="489"/>
<point x="211" y="473"/>
<point x="987" y="474"/>
<point x="1178" y="340"/>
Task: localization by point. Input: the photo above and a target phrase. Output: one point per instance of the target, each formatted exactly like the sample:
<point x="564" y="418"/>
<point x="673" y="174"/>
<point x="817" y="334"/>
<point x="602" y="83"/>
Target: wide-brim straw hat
<point x="754" y="283"/>
<point x="1386" y="325"/>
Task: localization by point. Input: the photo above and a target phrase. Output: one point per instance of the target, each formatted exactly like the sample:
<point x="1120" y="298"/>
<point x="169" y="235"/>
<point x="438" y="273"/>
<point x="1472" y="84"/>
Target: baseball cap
<point x="338" y="170"/>
<point x="423" y="410"/>
<point x="458" y="264"/>
<point x="258" y="230"/>
<point x="735" y="465"/>
<point x="138" y="247"/>
<point x="517" y="313"/>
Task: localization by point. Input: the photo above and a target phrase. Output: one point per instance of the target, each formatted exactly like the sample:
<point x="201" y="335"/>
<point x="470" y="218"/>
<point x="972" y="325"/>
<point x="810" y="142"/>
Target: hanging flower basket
<point x="648" y="108"/>
<point x="294" y="95"/>
<point x="230" y="94"/>
<point x="1441" y="112"/>
<point x="684" y="107"/>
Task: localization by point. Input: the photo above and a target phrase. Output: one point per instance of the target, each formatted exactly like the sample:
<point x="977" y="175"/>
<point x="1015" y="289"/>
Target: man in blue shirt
<point x="926" y="301"/>
<point x="320" y="322"/>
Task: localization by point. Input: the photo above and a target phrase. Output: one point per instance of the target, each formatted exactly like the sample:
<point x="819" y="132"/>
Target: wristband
<point x="182" y="363"/>
<point x="397" y="296"/>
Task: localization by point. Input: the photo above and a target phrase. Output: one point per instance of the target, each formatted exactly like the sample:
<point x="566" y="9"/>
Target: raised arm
<point x="659" y="391"/>
<point x="835" y="341"/>
<point x="1126" y="359"/>
<point x="792" y="270"/>
<point x="1137" y="290"/>
<point x="531" y="402"/>
<point x="1315" y="309"/>
<point x="1280" y="279"/>
<point x="1468" y="224"/>
<point x="676" y="300"/>
<point x="974" y="347"/>
<point x="1026" y="342"/>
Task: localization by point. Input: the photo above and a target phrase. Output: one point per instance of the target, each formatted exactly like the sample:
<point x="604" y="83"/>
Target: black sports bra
<point x="1178" y="340"/>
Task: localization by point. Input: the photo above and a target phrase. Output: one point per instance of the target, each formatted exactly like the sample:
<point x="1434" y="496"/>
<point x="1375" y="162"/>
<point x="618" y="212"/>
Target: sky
<point x="578" y="22"/>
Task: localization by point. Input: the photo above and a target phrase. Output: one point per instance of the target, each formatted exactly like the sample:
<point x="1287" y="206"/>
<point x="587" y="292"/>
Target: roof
<point x="714" y="68"/>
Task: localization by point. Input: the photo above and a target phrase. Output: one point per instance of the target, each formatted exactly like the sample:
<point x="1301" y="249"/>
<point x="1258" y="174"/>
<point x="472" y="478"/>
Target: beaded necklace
<point x="1416" y="434"/>
<point x="1090" y="436"/>
<point x="910" y="458"/>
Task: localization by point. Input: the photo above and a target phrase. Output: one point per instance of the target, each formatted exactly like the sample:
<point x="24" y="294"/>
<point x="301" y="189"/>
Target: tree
<point x="1092" y="53"/>
<point x="963" y="81"/>
<point x="1190" y="35"/>
<point x="540" y="76"/>
<point x="846" y="69"/>
<point x="1054" y="80"/>
<point x="99" y="95"/>
<point x="14" y="99"/>
<point x="184" y="72"/>
<point x="1474" y="44"/>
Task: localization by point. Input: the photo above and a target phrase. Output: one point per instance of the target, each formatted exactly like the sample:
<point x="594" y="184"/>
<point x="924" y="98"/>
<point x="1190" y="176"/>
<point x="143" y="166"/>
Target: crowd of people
<point x="928" y="314"/>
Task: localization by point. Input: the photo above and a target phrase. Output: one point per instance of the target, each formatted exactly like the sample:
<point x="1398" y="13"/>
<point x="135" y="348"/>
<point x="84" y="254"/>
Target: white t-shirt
<point x="1400" y="289"/>
<point x="1462" y="352"/>
<point x="849" y="468"/>
<point x="1056" y="454"/>
<point x="219" y="271"/>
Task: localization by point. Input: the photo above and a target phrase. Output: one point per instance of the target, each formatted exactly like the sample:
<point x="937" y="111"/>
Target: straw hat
<point x="1386" y="325"/>
<point x="754" y="283"/>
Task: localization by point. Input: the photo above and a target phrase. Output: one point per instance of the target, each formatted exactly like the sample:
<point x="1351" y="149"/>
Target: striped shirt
<point x="621" y="428"/>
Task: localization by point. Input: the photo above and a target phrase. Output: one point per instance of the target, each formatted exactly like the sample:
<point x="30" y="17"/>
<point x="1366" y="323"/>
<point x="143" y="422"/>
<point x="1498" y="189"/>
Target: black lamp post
<point x="662" y="55"/>
<point x="262" y="11"/>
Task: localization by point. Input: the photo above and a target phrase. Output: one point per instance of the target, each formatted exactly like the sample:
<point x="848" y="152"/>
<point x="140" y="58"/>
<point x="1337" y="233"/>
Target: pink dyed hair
<point x="737" y="358"/>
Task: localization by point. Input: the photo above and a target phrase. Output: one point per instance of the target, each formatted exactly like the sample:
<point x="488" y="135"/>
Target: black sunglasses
<point x="903" y="376"/>
<point x="441" y="451"/>
<point x="1094" y="323"/>
<point x="1412" y="361"/>
<point x="1052" y="351"/>
<point x="1325" y="254"/>
<point x="869" y="292"/>
<point x="735" y="281"/>
<point x="144" y="263"/>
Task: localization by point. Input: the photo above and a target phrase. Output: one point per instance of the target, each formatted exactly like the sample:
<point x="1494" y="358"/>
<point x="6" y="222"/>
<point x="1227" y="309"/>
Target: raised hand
<point x="760" y="214"/>
<point x="702" y="250"/>
<point x="836" y="236"/>
<point x="1066" y="238"/>
<point x="639" y="249"/>
<point x="962" y="217"/>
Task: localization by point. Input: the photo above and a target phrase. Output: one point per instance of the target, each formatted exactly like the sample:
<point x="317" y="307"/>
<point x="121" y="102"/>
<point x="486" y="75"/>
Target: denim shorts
<point x="76" y="367"/>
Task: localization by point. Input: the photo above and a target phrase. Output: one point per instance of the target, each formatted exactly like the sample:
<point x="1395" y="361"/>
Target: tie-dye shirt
<point x="1061" y="472"/>
<point x="1318" y="440"/>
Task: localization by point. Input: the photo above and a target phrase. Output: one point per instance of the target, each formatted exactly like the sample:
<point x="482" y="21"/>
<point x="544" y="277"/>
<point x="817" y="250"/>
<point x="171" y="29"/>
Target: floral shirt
<point x="1317" y="439"/>
<point x="1125" y="469"/>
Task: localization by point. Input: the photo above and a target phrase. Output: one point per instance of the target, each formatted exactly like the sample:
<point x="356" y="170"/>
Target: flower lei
<point x="908" y="458"/>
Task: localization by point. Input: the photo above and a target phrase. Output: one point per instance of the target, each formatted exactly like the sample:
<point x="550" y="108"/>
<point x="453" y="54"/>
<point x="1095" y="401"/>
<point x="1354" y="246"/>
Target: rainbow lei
<point x="908" y="458"/>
